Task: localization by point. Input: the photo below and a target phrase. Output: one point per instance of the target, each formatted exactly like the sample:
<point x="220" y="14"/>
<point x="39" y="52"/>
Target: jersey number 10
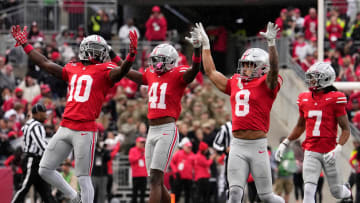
<point x="78" y="86"/>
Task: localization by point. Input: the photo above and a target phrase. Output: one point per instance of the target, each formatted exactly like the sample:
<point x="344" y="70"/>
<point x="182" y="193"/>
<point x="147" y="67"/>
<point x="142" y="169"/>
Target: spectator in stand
<point x="15" y="161"/>
<point x="95" y="22"/>
<point x="80" y="34"/>
<point x="354" y="31"/>
<point x="307" y="62"/>
<point x="7" y="78"/>
<point x="300" y="48"/>
<point x="182" y="165"/>
<point x="35" y="35"/>
<point x="99" y="172"/>
<point x="114" y="150"/>
<point x="354" y="162"/>
<point x="75" y="8"/>
<point x="281" y="20"/>
<point x="310" y="24"/>
<point x="138" y="170"/>
<point x="286" y="168"/>
<point x="17" y="98"/>
<point x="218" y="35"/>
<point x="298" y="179"/>
<point x="156" y="26"/>
<point x="356" y="119"/>
<point x="30" y="87"/>
<point x="202" y="174"/>
<point x="335" y="13"/>
<point x="124" y="35"/>
<point x="333" y="31"/>
<point x="44" y="93"/>
<point x="299" y="21"/>
<point x="105" y="27"/>
<point x="347" y="72"/>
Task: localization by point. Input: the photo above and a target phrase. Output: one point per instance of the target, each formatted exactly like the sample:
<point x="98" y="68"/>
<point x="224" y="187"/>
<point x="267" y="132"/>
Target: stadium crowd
<point x="123" y="125"/>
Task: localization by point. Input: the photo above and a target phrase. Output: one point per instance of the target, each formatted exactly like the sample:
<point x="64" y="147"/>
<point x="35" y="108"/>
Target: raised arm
<point x="21" y="39"/>
<point x="191" y="73"/>
<point x="217" y="78"/>
<point x="270" y="36"/>
<point x="118" y="73"/>
<point x="135" y="76"/>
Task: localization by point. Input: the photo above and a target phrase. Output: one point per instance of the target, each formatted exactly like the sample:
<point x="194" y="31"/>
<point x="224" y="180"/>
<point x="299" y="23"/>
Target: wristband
<point x="28" y="48"/>
<point x="112" y="54"/>
<point x="196" y="59"/>
<point x="286" y="142"/>
<point x="271" y="42"/>
<point x="116" y="59"/>
<point x="130" y="58"/>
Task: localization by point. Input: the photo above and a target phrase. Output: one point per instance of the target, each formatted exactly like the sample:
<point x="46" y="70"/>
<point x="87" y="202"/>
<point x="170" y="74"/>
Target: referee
<point x="34" y="147"/>
<point x="222" y="146"/>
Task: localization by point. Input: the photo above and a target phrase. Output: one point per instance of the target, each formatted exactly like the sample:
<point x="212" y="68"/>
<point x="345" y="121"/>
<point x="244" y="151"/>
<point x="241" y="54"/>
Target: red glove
<point x="18" y="35"/>
<point x="133" y="42"/>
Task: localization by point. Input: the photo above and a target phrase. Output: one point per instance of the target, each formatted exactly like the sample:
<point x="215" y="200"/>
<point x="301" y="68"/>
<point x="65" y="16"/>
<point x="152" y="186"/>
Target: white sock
<point x="55" y="179"/>
<point x="87" y="189"/>
<point x="309" y="193"/>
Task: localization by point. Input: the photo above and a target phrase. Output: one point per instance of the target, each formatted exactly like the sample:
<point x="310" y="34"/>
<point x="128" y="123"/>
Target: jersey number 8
<point x="242" y="102"/>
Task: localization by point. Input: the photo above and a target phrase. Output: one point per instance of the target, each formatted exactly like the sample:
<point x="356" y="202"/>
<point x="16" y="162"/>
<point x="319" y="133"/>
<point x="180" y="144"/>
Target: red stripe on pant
<point x="92" y="153"/>
<point x="171" y="149"/>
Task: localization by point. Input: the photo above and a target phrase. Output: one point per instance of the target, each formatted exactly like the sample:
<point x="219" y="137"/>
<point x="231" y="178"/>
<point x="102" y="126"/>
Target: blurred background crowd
<point x="122" y="125"/>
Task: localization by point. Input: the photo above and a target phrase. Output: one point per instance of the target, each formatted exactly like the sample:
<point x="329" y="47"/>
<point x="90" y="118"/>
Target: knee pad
<point x="236" y="194"/>
<point x="44" y="172"/>
<point x="337" y="191"/>
<point x="271" y="198"/>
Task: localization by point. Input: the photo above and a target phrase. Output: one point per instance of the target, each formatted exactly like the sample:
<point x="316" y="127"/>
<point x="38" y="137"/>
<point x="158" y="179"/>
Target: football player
<point x="88" y="82"/>
<point x="321" y="110"/>
<point x="166" y="84"/>
<point x="252" y="92"/>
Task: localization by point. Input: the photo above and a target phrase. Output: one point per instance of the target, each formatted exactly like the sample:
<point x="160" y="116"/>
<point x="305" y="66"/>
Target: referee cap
<point x="39" y="107"/>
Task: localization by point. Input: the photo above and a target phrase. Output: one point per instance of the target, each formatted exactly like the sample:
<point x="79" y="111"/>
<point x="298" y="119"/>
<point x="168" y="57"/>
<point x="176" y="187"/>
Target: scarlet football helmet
<point x="259" y="58"/>
<point x="94" y="49"/>
<point x="163" y="58"/>
<point x="319" y="76"/>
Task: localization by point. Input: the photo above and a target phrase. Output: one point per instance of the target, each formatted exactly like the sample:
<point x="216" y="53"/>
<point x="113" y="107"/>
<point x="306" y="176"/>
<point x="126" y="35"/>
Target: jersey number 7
<point x="318" y="115"/>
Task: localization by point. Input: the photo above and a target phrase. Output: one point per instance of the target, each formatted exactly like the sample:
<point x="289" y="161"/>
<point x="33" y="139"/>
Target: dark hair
<point x="38" y="107"/>
<point x="329" y="89"/>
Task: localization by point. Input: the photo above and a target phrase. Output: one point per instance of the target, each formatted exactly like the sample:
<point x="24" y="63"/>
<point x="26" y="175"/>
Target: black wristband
<point x="112" y="54"/>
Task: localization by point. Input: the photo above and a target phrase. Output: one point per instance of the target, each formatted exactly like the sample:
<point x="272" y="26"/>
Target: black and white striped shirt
<point x="34" y="137"/>
<point x="223" y="137"/>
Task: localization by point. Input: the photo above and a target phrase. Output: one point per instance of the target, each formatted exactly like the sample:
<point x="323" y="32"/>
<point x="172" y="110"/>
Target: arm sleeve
<point x="38" y="134"/>
<point x="173" y="164"/>
<point x="219" y="140"/>
<point x="65" y="76"/>
<point x="228" y="87"/>
<point x="340" y="105"/>
<point x="298" y="102"/>
<point x="133" y="156"/>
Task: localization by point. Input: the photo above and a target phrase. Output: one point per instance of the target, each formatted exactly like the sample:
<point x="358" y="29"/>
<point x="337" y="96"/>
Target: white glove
<point x="281" y="149"/>
<point x="270" y="34"/>
<point x="195" y="38"/>
<point x="329" y="157"/>
<point x="204" y="38"/>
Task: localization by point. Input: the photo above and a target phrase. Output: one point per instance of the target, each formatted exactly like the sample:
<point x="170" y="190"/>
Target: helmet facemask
<point x="257" y="71"/>
<point x="161" y="64"/>
<point x="93" y="49"/>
